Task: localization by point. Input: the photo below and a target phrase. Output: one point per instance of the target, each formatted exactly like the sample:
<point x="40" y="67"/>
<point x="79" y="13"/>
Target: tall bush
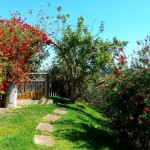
<point x="128" y="97"/>
<point x="20" y="46"/>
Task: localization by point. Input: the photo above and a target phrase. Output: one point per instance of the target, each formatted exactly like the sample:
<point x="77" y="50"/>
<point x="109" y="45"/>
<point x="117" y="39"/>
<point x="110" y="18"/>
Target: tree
<point x="20" y="44"/>
<point x="82" y="53"/>
<point x="77" y="49"/>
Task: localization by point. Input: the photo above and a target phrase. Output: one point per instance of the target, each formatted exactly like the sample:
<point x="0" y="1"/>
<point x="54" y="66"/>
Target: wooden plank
<point x="38" y="87"/>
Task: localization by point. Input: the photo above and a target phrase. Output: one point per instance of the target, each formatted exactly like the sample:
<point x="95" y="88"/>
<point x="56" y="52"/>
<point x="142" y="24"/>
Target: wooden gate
<point x="35" y="89"/>
<point x="39" y="87"/>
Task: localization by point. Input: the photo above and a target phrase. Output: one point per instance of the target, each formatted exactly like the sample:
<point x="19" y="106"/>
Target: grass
<point x="17" y="127"/>
<point x="82" y="128"/>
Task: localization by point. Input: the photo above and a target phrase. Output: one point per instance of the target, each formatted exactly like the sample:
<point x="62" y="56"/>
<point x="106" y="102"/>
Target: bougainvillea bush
<point x="20" y="44"/>
<point x="128" y="96"/>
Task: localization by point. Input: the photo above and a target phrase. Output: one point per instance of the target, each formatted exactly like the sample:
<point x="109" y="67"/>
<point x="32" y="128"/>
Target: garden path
<point x="47" y="127"/>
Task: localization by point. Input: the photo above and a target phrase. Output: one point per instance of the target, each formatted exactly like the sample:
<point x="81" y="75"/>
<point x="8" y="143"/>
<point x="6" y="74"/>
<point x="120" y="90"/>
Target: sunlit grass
<point x="17" y="128"/>
<point x="82" y="128"/>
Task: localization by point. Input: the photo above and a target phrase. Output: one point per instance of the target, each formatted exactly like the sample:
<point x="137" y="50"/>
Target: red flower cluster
<point x="135" y="103"/>
<point x="48" y="42"/>
<point x="117" y="71"/>
<point x="99" y="83"/>
<point x="142" y="96"/>
<point x="147" y="109"/>
<point x="19" y="42"/>
<point x="122" y="60"/>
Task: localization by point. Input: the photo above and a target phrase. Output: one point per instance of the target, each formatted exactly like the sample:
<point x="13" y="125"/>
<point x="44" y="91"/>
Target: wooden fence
<point x="39" y="87"/>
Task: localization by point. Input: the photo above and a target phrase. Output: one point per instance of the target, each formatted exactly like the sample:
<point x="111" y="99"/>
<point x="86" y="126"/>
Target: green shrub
<point x="129" y="108"/>
<point x="128" y="99"/>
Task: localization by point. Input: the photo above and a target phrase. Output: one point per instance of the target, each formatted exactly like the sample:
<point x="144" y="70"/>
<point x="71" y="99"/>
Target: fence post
<point x="46" y="86"/>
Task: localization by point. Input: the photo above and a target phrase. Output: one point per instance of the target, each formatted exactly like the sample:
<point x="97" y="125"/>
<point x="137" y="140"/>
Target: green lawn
<point x="82" y="128"/>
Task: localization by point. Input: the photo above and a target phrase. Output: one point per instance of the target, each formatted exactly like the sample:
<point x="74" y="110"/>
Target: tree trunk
<point x="64" y="56"/>
<point x="72" y="96"/>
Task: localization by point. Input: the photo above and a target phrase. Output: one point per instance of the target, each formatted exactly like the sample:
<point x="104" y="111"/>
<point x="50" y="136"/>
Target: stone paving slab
<point x="59" y="111"/>
<point x="45" y="127"/>
<point x="4" y="110"/>
<point x="43" y="140"/>
<point x="25" y="102"/>
<point x="51" y="117"/>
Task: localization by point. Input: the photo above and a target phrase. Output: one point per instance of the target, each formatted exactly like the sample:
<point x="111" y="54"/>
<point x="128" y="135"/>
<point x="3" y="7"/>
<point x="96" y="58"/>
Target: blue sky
<point x="125" y="19"/>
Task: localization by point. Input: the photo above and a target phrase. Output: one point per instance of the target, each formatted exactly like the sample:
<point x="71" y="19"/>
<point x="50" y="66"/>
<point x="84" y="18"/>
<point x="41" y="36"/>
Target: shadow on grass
<point x="84" y="129"/>
<point x="85" y="136"/>
<point x="62" y="101"/>
<point x="80" y="110"/>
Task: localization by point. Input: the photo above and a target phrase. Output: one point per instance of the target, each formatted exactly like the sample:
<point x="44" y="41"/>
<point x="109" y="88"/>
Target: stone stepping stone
<point x="59" y="111"/>
<point x="50" y="117"/>
<point x="45" y="127"/>
<point x="43" y="140"/>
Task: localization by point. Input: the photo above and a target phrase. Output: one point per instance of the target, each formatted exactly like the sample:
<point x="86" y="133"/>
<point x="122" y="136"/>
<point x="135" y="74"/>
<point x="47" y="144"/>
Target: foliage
<point x="60" y="80"/>
<point x="143" y="55"/>
<point x="20" y="45"/>
<point x="94" y="94"/>
<point x="129" y="101"/>
<point x="79" y="54"/>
